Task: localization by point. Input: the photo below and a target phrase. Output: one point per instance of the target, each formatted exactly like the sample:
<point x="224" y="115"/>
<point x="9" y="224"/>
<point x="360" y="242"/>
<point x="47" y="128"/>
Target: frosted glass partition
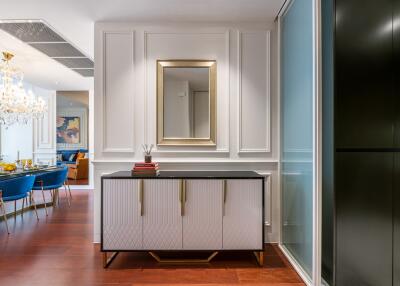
<point x="296" y="34"/>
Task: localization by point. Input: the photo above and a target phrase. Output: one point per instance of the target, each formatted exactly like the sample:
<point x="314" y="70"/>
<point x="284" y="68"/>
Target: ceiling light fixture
<point x="16" y="104"/>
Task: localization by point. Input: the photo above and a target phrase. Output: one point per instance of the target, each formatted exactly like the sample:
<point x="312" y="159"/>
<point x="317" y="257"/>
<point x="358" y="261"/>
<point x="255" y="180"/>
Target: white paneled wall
<point x="254" y="91"/>
<point x="118" y="91"/>
<point x="44" y="131"/>
<point x="247" y="117"/>
<point x="37" y="138"/>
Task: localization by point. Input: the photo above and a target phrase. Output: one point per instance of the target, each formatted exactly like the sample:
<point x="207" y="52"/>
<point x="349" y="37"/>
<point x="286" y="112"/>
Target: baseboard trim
<point x="297" y="267"/>
<point x="81" y="187"/>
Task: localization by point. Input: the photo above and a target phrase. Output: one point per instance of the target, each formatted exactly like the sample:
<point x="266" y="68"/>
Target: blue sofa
<point x="66" y="154"/>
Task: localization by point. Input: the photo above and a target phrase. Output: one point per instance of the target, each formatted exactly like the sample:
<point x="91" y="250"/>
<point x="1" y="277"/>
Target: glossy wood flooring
<point x="79" y="182"/>
<point x="58" y="250"/>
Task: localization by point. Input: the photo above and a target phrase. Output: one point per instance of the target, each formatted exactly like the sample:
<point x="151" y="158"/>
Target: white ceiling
<point x="74" y="20"/>
<point x="40" y="69"/>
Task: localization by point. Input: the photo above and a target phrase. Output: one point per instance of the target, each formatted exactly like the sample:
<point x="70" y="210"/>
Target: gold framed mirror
<point x="186" y="102"/>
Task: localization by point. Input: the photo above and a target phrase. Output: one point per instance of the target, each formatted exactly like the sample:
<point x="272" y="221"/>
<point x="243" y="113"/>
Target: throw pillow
<point x="59" y="157"/>
<point x="80" y="156"/>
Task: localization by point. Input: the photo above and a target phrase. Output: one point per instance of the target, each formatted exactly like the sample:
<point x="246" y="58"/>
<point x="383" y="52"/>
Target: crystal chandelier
<point x="17" y="105"/>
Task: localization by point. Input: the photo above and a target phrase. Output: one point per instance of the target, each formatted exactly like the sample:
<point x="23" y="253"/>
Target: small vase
<point x="147" y="158"/>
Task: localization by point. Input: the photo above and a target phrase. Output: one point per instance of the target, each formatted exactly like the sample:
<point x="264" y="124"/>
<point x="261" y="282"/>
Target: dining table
<point x="37" y="170"/>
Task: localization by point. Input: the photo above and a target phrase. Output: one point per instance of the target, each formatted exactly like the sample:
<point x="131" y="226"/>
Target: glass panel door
<point x="297" y="131"/>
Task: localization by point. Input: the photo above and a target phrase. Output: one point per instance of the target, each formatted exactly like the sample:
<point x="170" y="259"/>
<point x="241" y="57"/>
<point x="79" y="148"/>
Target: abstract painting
<point x="68" y="129"/>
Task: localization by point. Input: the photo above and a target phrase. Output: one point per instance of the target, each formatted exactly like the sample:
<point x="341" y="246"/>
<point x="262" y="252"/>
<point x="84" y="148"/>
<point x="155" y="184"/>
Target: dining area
<point x="29" y="188"/>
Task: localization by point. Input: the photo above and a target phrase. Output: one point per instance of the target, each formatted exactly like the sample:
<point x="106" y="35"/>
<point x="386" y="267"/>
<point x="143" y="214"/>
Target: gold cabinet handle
<point x="182" y="196"/>
<point x="140" y="186"/>
<point x="184" y="191"/>
<point x="224" y="196"/>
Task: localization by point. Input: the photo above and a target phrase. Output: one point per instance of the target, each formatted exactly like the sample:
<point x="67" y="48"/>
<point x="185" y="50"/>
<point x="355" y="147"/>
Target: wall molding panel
<point x="246" y="125"/>
<point x="44" y="131"/>
<point x="173" y="39"/>
<point x="118" y="93"/>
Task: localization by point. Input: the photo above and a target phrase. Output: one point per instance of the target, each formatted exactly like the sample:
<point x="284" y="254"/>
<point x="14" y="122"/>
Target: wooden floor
<point x="78" y="182"/>
<point x="58" y="250"/>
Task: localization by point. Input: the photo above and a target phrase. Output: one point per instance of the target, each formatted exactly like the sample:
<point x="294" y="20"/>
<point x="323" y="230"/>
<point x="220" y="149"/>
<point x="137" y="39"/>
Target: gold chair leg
<point x="66" y="194"/>
<point x="4" y="214"/>
<point x="260" y="257"/>
<point x="23" y="206"/>
<point x="107" y="260"/>
<point x="34" y="205"/>
<point x="69" y="190"/>
<point x="44" y="201"/>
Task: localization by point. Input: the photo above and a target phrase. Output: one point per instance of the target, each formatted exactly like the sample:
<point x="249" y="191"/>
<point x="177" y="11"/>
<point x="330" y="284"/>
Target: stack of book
<point x="150" y="169"/>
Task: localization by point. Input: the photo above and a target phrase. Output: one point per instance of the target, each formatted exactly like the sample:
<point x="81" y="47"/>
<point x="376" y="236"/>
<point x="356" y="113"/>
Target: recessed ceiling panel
<point x="58" y="50"/>
<point x="42" y="37"/>
<point x="75" y="62"/>
<point x="31" y="32"/>
<point x="85" y="72"/>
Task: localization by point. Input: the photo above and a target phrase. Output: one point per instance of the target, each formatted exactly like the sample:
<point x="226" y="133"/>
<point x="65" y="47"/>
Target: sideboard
<point x="182" y="211"/>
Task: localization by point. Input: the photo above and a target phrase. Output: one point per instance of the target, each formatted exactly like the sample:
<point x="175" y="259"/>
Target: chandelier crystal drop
<point x="16" y="104"/>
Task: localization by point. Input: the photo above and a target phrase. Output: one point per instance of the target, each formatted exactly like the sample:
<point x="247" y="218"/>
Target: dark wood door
<point x="364" y="222"/>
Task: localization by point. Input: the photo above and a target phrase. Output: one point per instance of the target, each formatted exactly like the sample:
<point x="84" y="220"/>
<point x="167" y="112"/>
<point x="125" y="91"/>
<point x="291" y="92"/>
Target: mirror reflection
<point x="186" y="102"/>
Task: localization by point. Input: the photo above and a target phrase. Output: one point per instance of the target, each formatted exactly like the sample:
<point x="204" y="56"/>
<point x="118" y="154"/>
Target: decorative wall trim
<point x="145" y="111"/>
<point x="82" y="114"/>
<point x="268" y="197"/>
<point x="174" y="161"/>
<point x="44" y="132"/>
<point x="44" y="128"/>
<point x="267" y="148"/>
<point x="105" y="148"/>
<point x="193" y="31"/>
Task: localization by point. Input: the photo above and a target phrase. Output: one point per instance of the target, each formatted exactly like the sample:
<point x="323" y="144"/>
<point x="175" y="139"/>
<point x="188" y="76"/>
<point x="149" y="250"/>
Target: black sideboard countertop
<point x="188" y="175"/>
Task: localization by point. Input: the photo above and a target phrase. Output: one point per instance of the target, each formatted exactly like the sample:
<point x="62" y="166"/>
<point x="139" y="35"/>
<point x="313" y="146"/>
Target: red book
<point x="143" y="164"/>
<point x="146" y="168"/>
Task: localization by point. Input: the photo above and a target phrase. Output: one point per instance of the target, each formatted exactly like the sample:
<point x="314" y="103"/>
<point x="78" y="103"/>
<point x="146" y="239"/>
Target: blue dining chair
<point x="16" y="189"/>
<point x="52" y="181"/>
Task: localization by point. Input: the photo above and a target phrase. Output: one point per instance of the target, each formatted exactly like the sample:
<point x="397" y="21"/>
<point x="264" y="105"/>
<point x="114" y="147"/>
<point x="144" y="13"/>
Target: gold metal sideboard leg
<point x="260" y="257"/>
<point x="182" y="261"/>
<point x="107" y="260"/>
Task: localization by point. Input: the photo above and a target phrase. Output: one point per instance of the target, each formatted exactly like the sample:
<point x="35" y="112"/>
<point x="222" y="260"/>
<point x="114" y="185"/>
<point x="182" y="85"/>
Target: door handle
<point x="224" y="193"/>
<point x="140" y="187"/>
<point x="182" y="196"/>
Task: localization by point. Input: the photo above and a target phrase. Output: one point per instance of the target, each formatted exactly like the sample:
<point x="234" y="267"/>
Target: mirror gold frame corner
<point x="161" y="139"/>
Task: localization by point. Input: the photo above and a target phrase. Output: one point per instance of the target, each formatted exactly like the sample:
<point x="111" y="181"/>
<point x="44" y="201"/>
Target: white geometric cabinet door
<point x="162" y="221"/>
<point x="202" y="219"/>
<point x="122" y="224"/>
<point x="243" y="217"/>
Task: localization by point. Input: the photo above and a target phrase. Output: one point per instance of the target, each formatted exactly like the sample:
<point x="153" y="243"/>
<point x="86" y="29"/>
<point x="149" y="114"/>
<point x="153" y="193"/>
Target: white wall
<point x="247" y="115"/>
<point x="16" y="138"/>
<point x="36" y="139"/>
<point x="44" y="130"/>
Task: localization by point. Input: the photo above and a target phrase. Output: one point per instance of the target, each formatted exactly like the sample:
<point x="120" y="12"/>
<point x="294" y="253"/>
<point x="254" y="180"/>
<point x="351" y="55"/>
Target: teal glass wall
<point x="297" y="109"/>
